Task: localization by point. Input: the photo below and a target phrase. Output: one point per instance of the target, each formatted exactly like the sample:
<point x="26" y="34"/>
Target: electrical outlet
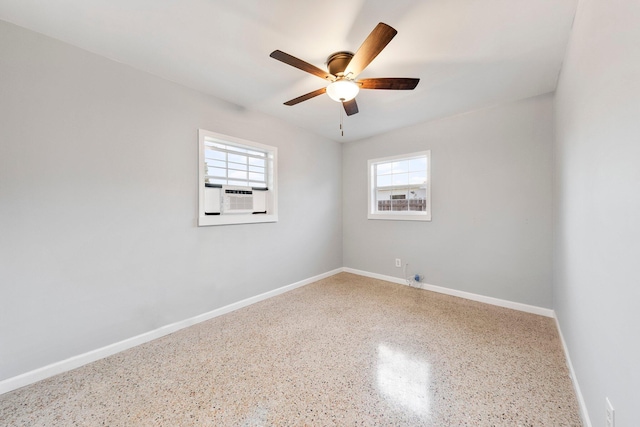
<point x="611" y="415"/>
<point x="398" y="262"/>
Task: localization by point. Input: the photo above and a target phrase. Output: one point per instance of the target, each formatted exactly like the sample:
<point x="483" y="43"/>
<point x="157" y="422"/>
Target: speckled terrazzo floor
<point x="344" y="351"/>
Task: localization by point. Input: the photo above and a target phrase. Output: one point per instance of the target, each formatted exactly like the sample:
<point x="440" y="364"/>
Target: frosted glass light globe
<point x="343" y="90"/>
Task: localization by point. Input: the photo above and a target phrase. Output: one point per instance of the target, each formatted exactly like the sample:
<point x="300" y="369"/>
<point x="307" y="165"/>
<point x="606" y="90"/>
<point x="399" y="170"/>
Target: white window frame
<point x="272" y="182"/>
<point x="372" y="210"/>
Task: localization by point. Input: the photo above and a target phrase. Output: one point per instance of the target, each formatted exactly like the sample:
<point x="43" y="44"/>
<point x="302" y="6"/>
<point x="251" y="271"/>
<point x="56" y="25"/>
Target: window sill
<point x="401" y="217"/>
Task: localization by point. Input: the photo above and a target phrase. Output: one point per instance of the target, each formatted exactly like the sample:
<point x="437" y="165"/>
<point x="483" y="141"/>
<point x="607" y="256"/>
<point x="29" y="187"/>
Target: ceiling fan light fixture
<point x="343" y="90"/>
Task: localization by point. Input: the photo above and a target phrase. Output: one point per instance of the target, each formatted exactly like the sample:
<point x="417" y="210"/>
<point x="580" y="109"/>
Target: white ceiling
<point x="467" y="53"/>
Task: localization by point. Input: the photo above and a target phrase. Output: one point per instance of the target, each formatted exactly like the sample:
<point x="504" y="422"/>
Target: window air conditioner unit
<point x="237" y="200"/>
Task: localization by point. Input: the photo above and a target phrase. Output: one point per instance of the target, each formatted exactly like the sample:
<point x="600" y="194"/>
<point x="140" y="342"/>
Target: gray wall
<point x="98" y="204"/>
<point x="491" y="199"/>
<point x="597" y="257"/>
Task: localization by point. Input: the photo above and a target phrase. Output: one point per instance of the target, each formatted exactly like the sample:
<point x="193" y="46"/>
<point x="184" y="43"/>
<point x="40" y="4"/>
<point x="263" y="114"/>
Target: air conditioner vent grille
<point x="237" y="200"/>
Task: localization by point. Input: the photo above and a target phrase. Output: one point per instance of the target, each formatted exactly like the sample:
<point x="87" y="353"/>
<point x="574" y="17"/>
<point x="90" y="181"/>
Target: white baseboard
<point x="584" y="414"/>
<point x="547" y="312"/>
<point x="74" y="362"/>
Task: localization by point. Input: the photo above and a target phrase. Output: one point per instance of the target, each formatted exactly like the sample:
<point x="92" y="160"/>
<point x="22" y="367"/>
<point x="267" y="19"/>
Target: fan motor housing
<point x="337" y="62"/>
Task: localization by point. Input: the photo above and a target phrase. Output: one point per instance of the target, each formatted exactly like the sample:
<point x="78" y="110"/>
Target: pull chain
<point x="341" y="120"/>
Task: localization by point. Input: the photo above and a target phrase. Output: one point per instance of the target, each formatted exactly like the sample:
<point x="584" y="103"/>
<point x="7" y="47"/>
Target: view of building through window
<point x="400" y="185"/>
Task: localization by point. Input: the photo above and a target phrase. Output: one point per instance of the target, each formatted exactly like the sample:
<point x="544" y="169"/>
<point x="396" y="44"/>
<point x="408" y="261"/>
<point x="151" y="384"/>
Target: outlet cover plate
<point x="611" y="415"/>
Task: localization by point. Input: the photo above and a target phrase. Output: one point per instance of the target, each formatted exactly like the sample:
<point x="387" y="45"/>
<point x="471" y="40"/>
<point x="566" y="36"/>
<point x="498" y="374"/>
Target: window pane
<point x="217" y="163"/>
<point x="383" y="168"/>
<point x="399" y="187"/>
<point x="218" y="172"/>
<point x="400" y="166"/>
<point x="256" y="176"/>
<point x="238" y="166"/>
<point x="212" y="154"/>
<point x="401" y="179"/>
<point x="256" y="162"/>
<point x="399" y="195"/>
<point x="235" y="167"/>
<point x="417" y="178"/>
<point x="237" y="158"/>
<point x="384" y="180"/>
<point x="418" y="164"/>
<point x="237" y="174"/>
<point x="383" y="195"/>
<point x="399" y="205"/>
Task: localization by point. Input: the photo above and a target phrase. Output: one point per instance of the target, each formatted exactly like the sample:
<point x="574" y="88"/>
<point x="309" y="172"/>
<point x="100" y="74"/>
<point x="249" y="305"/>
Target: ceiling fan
<point x="344" y="67"/>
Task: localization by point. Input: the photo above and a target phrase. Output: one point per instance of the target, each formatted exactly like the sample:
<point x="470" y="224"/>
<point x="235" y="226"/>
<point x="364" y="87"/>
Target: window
<point x="237" y="180"/>
<point x="400" y="187"/>
<point x="228" y="164"/>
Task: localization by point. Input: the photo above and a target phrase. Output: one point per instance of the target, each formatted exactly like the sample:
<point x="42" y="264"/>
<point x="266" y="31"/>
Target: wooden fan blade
<point x="393" y="83"/>
<point x="301" y="65"/>
<point x="309" y="95"/>
<point x="371" y="47"/>
<point x="350" y="107"/>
